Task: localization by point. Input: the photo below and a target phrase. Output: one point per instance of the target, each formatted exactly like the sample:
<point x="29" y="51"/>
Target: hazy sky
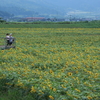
<point x="67" y="6"/>
<point x="63" y="2"/>
<point x="77" y="2"/>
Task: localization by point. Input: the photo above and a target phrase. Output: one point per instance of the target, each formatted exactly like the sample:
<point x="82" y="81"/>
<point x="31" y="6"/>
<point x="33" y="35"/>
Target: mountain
<point x="50" y="8"/>
<point x="29" y="8"/>
<point x="4" y="14"/>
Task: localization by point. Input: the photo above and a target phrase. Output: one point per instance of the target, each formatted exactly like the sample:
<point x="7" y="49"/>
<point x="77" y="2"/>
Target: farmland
<point x="53" y="63"/>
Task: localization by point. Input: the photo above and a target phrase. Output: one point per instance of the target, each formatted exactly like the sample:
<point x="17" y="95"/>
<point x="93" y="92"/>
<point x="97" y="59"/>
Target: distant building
<point x="31" y="19"/>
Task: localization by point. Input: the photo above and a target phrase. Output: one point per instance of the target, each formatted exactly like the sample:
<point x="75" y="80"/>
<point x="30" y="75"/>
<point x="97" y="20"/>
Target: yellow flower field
<point x="61" y="62"/>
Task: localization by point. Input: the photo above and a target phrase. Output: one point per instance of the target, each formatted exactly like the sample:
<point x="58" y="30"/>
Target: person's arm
<point x="7" y="37"/>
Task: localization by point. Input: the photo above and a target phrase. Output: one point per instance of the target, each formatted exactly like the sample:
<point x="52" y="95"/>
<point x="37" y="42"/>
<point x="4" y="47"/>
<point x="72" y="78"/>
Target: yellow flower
<point x="32" y="89"/>
<point x="77" y="90"/>
<point x="51" y="71"/>
<point x="69" y="74"/>
<point x="72" y="62"/>
<point x="41" y="91"/>
<point x="54" y="89"/>
<point x="51" y="97"/>
<point x="40" y="77"/>
<point x="32" y="64"/>
<point x="89" y="97"/>
<point x="44" y="87"/>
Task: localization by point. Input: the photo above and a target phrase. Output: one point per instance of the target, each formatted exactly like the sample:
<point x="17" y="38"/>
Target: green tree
<point x="2" y="21"/>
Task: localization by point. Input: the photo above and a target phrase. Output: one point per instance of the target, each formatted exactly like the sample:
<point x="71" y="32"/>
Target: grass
<point x="84" y="24"/>
<point x="15" y="94"/>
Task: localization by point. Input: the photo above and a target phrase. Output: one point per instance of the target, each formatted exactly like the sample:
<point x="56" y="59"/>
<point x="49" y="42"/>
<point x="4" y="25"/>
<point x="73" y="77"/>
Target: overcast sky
<point x="77" y="2"/>
<point x="69" y="7"/>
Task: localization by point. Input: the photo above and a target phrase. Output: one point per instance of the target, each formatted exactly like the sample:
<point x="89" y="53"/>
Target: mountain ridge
<point x="55" y="8"/>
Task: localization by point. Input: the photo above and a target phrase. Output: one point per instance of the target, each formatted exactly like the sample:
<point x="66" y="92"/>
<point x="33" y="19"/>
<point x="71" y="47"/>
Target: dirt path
<point x="6" y="47"/>
<point x="2" y="46"/>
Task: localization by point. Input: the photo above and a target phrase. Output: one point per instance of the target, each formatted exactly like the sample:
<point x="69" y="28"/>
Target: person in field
<point x="11" y="39"/>
<point x="7" y="38"/>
